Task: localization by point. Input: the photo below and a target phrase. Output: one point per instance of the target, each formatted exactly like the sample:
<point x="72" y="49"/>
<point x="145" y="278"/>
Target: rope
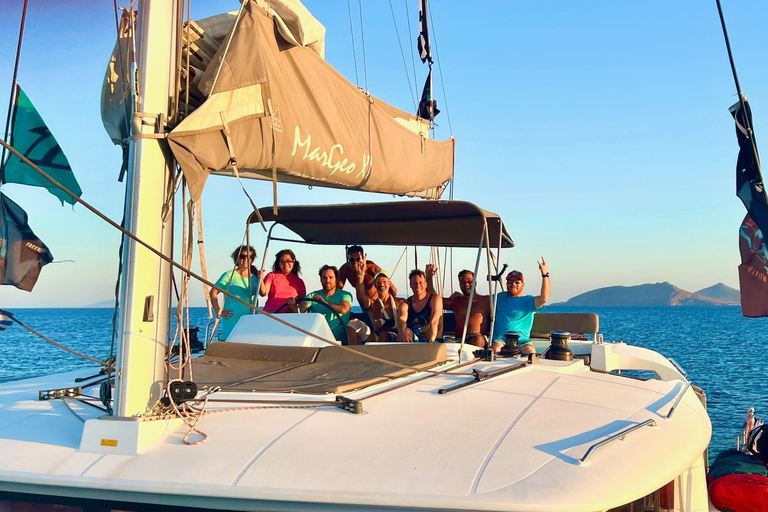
<point x="742" y="98"/>
<point x="354" y="50"/>
<point x="402" y="53"/>
<point x="235" y="168"/>
<point x="226" y="48"/>
<point x="440" y="67"/>
<point x="13" y="82"/>
<point x="185" y="270"/>
<point x="117" y="285"/>
<point x="186" y="63"/>
<point x="413" y="54"/>
<point x="201" y="250"/>
<point x="191" y="420"/>
<point x="362" y="43"/>
<point x="398" y="263"/>
<point x="49" y="340"/>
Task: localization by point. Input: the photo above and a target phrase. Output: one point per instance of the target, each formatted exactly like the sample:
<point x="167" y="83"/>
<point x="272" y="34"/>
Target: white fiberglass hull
<point x="513" y="442"/>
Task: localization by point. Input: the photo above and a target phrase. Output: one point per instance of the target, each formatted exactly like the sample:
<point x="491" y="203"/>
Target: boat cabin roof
<point x="423" y="223"/>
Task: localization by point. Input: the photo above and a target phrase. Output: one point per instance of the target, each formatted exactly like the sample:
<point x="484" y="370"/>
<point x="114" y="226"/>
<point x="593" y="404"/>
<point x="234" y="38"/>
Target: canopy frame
<point x="416" y="223"/>
<point x="395" y="222"/>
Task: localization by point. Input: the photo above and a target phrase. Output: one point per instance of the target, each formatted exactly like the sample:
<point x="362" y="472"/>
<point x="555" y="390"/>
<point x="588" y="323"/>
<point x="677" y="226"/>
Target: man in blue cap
<point x="515" y="311"/>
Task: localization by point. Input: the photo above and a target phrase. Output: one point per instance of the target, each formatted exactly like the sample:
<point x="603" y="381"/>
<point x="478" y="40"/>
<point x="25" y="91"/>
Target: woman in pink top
<point x="283" y="282"/>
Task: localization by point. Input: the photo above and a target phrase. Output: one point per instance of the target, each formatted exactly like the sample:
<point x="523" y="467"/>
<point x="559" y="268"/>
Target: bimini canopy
<point x="423" y="223"/>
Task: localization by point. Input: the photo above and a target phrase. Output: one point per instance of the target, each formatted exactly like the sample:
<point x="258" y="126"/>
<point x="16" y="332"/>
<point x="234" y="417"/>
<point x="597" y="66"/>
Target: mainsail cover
<point x="22" y="254"/>
<point x="280" y="112"/>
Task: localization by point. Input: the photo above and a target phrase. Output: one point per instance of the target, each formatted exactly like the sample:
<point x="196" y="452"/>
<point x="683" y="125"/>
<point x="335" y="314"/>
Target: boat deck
<point x="311" y="370"/>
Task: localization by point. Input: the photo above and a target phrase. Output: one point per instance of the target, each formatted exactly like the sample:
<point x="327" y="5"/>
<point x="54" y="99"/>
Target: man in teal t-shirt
<point x="331" y="297"/>
<point x="515" y="311"/>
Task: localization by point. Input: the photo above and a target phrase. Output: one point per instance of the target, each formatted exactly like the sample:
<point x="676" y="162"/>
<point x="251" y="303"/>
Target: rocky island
<point x="658" y="294"/>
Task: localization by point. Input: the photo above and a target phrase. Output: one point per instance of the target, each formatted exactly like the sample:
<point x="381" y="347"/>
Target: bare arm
<point x="342" y="280"/>
<point x="543" y="297"/>
<point x="434" y="321"/>
<point x="360" y="289"/>
<point x="430" y="270"/>
<point x="339" y="309"/>
<point x="402" y="318"/>
<point x="362" y="295"/>
<point x="264" y="287"/>
<point x="214" y="296"/>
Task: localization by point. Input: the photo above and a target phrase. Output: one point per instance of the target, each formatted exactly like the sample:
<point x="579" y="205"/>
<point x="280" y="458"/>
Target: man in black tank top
<point x="419" y="316"/>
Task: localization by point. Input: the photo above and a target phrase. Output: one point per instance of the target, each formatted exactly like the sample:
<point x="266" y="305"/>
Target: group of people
<point x="417" y="318"/>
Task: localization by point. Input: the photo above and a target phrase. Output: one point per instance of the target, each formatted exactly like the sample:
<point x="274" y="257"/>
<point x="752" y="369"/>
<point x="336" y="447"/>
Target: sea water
<point x="723" y="352"/>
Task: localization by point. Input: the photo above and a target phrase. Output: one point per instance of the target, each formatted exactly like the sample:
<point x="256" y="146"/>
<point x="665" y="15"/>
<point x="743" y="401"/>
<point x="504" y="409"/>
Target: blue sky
<point x="598" y="130"/>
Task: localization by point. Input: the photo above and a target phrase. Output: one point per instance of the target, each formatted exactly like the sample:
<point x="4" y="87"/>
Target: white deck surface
<point x="510" y="443"/>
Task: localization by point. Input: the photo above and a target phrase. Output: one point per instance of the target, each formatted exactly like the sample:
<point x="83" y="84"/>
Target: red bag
<point x="739" y="493"/>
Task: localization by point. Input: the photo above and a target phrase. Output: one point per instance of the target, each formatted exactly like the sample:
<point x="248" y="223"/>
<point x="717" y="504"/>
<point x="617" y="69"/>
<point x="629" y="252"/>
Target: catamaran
<point x="280" y="416"/>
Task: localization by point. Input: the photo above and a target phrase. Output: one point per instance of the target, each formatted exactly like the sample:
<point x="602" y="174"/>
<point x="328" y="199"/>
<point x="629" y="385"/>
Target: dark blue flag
<point x="749" y="180"/>
<point x="425" y="50"/>
<point x="22" y="254"/>
<point x="753" y="271"/>
<point x="428" y="106"/>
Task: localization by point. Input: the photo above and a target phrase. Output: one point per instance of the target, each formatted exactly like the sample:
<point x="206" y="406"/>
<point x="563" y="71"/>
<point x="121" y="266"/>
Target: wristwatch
<point x="545" y="275"/>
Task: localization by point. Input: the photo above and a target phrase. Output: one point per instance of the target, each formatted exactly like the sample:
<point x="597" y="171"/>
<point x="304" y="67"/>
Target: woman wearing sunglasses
<point x="283" y="282"/>
<point x="243" y="283"/>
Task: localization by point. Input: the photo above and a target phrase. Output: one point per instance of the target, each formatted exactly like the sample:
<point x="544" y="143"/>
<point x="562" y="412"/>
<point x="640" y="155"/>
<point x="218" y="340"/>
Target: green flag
<point x="34" y="140"/>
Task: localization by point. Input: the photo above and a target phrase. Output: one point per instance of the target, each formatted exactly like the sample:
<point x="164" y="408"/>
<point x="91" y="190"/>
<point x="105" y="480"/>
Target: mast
<point x="145" y="283"/>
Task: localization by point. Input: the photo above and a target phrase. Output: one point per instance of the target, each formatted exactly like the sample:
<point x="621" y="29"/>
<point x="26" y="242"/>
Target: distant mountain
<point x="721" y="291"/>
<point x="102" y="304"/>
<point x="658" y="294"/>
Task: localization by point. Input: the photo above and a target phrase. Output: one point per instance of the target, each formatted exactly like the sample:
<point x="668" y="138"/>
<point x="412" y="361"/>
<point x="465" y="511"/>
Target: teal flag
<point x="34" y="140"/>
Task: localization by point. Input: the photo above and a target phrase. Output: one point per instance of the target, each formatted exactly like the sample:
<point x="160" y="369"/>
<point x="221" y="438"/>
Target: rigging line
<point x="133" y="72"/>
<point x="405" y="249"/>
<point x="362" y="43"/>
<point x="49" y="340"/>
<point x="13" y="83"/>
<point x="226" y="48"/>
<point x="186" y="270"/>
<point x="117" y="284"/>
<point x="402" y="53"/>
<point x="354" y="50"/>
<point x="440" y="67"/>
<point x="413" y="53"/>
<point x="736" y="81"/>
<point x="176" y="98"/>
<point x="186" y="85"/>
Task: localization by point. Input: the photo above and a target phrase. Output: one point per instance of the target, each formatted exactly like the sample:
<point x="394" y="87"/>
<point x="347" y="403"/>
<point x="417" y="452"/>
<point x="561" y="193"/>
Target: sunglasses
<point x="285" y="262"/>
<point x="353" y="260"/>
<point x="245" y="256"/>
